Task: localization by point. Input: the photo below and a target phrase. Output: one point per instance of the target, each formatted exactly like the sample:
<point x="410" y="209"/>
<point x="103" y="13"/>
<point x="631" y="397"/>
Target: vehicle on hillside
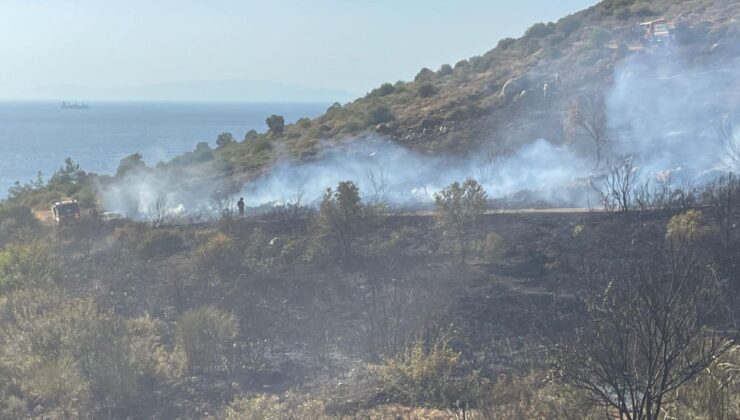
<point x="657" y="33"/>
<point x="65" y="211"/>
<point x="110" y="216"/>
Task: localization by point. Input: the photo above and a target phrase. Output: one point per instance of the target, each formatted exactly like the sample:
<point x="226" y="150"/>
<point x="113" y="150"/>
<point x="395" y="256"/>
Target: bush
<point x="380" y="115"/>
<point x="494" y="248"/>
<point x="27" y="265"/>
<point x="251" y="135"/>
<point x="14" y="220"/>
<point x="426" y="90"/>
<point x="384" y="90"/>
<point x="263" y="406"/>
<point x="687" y="226"/>
<point x="445" y="70"/>
<point x="261" y="145"/>
<point x="225" y="139"/>
<point x="539" y="30"/>
<point x="430" y="375"/>
<point x="219" y="253"/>
<point x="340" y="215"/>
<point x="205" y="334"/>
<point x="457" y="206"/>
<point x="424" y="75"/>
<point x="160" y="243"/>
<point x="569" y="24"/>
<point x="624" y="14"/>
<point x="599" y="37"/>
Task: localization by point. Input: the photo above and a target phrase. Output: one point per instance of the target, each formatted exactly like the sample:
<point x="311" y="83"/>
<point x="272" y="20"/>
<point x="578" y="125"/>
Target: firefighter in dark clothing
<point x="240" y="204"/>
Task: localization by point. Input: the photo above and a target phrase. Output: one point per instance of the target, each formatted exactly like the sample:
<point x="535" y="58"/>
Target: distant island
<point x="74" y="105"/>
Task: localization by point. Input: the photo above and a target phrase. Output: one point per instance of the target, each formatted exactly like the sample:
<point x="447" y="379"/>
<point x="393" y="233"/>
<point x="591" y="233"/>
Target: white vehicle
<point x="110" y="216"/>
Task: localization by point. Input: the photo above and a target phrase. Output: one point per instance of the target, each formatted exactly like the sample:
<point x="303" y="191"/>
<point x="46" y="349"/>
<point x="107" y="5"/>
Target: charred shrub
<point x="159" y="243"/>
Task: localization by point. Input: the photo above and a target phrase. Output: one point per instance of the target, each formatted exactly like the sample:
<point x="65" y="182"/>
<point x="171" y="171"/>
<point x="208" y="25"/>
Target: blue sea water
<point x="37" y="136"/>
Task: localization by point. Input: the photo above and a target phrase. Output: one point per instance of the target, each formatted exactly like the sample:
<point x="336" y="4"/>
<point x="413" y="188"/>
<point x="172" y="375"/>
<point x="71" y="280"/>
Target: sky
<point x="350" y="45"/>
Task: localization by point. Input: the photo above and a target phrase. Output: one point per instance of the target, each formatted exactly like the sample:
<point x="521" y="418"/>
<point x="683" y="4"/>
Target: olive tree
<point x="457" y="206"/>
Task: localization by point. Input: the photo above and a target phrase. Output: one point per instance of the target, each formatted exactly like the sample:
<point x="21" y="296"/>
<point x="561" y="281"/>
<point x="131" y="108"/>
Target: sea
<point x="38" y="136"/>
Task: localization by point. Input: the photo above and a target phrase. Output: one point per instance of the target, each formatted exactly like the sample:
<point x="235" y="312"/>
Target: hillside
<point x="345" y="303"/>
<point x="482" y="117"/>
<point x="461" y="107"/>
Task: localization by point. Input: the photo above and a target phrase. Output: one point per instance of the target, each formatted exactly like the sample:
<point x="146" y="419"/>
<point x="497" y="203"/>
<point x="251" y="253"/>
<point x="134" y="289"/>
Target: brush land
<point x="359" y="308"/>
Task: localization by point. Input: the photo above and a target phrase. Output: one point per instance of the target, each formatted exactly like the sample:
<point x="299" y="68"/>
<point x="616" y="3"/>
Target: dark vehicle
<point x="65" y="211"/>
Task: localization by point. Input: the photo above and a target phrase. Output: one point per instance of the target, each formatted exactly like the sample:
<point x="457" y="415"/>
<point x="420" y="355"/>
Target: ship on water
<point x="74" y="105"/>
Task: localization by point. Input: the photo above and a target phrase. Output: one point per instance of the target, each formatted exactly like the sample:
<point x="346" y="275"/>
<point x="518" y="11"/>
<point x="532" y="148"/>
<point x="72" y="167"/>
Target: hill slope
<point x="456" y="108"/>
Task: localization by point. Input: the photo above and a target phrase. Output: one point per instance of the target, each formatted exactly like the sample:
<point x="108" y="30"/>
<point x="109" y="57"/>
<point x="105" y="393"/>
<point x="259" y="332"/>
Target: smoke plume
<point x="661" y="110"/>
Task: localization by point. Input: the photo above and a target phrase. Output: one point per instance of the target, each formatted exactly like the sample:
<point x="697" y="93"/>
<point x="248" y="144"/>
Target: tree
<point x="131" y="163"/>
<point x="70" y="173"/>
<point x="340" y="215"/>
<point x="616" y="188"/>
<point x="159" y="211"/>
<point x="251" y="135"/>
<point x="589" y="116"/>
<point x="646" y="334"/>
<point x="225" y="139"/>
<point x="276" y="124"/>
<point x="458" y="206"/>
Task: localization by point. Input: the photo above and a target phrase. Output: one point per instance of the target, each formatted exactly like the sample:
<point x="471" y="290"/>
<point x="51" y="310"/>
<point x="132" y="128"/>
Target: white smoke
<point x="399" y="175"/>
<point x="666" y="112"/>
<point x="662" y="110"/>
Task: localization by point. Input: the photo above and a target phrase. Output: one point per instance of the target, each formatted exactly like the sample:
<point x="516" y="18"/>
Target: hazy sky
<point x="344" y="44"/>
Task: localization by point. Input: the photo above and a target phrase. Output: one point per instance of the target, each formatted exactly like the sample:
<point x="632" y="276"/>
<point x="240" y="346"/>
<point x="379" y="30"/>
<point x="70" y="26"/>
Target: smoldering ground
<point x="662" y="111"/>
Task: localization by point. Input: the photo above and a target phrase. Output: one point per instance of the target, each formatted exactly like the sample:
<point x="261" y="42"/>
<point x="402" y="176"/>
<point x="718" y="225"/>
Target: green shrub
<point x="424" y="75"/>
<point x="569" y="24"/>
<point x="205" y="334"/>
<point x="444" y="70"/>
<point x="380" y="115"/>
<point x="264" y="407"/>
<point x="250" y="135"/>
<point x="14" y="220"/>
<point x="58" y="384"/>
<point x="458" y="206"/>
<point x="219" y="253"/>
<point x="27" y="265"/>
<point x="687" y="226"/>
<point x="539" y="30"/>
<point x="426" y="90"/>
<point x="384" y="90"/>
<point x="599" y="37"/>
<point x="341" y="216"/>
<point x="428" y="375"/>
<point x="275" y="123"/>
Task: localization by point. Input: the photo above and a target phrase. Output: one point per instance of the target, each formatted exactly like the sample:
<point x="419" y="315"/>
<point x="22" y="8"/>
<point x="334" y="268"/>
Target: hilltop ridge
<point x="496" y="100"/>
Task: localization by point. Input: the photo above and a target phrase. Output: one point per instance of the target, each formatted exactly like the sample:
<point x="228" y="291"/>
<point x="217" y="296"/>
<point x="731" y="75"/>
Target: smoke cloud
<point x="661" y="110"/>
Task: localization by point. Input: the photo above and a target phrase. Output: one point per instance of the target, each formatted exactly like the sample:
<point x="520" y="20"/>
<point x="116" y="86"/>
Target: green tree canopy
<point x="276" y="124"/>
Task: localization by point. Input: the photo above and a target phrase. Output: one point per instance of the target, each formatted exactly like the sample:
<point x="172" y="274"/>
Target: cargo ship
<point x="74" y="105"/>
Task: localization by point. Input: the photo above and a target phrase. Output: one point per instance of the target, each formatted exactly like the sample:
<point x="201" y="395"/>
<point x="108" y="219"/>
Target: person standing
<point x="240" y="204"/>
